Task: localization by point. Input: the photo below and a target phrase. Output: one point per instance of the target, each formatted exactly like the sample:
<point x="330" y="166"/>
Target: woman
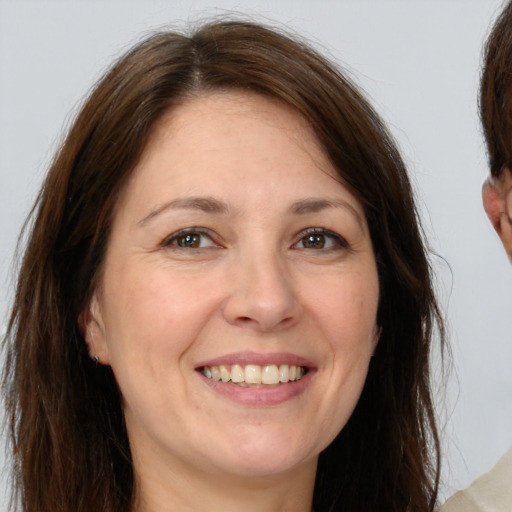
<point x="225" y="301"/>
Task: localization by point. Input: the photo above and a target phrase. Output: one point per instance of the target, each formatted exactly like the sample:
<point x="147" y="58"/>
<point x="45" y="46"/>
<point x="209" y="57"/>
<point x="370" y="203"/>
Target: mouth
<point x="255" y="375"/>
<point x="258" y="379"/>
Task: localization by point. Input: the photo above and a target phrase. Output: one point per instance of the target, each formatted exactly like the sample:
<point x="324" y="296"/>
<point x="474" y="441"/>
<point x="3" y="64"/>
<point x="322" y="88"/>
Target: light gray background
<point x="417" y="59"/>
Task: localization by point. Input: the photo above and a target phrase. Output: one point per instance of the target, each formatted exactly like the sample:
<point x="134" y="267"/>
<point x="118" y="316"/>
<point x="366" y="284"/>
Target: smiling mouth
<point x="253" y="375"/>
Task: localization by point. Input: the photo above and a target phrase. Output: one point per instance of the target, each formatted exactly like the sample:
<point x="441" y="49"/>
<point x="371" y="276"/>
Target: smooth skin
<point x="233" y="236"/>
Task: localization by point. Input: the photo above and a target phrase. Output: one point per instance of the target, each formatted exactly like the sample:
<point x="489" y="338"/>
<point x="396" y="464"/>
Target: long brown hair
<point x="70" y="445"/>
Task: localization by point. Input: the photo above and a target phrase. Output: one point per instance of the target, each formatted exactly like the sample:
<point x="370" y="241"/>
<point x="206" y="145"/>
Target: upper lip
<point x="262" y="359"/>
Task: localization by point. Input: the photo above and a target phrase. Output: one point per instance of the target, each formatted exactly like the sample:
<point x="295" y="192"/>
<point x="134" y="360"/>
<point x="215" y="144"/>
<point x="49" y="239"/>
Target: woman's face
<point x="237" y="302"/>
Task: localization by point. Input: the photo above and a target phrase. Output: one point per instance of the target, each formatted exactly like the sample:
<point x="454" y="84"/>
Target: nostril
<point x="263" y="325"/>
<point x="244" y="320"/>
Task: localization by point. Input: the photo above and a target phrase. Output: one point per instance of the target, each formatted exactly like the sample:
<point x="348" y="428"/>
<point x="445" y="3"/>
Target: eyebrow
<point x="215" y="206"/>
<point x="314" y="205"/>
<point x="204" y="204"/>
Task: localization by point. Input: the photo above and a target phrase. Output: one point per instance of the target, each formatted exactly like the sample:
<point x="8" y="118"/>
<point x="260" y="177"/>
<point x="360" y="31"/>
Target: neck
<point x="183" y="488"/>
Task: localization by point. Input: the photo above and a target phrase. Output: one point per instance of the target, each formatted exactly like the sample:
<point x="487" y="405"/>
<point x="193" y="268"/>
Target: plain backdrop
<point x="419" y="62"/>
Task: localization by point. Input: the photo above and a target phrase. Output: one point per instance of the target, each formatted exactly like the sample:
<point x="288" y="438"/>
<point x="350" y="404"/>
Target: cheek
<point x="153" y="322"/>
<point x="152" y="316"/>
<point x="347" y="314"/>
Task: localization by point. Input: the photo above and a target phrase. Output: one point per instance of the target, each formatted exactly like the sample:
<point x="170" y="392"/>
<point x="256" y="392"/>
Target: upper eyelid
<point x="187" y="231"/>
<point x="322" y="231"/>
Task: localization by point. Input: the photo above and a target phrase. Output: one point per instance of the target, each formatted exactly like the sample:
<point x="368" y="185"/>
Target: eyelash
<point x="339" y="241"/>
<point x="169" y="241"/>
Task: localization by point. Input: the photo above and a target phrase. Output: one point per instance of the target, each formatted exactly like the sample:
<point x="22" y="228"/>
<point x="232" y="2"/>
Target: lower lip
<point x="264" y="396"/>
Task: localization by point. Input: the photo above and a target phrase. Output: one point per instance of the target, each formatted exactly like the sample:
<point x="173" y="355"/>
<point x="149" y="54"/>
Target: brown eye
<point x="320" y="239"/>
<point x="190" y="241"/>
<point x="315" y="241"/>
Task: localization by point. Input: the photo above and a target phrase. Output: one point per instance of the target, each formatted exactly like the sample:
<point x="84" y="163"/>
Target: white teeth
<point x="270" y="375"/>
<point x="284" y="373"/>
<point x="255" y="374"/>
<point x="224" y="374"/>
<point x="237" y="373"/>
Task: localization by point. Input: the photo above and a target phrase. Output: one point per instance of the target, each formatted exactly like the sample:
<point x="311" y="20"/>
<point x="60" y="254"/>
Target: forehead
<point x="233" y="138"/>
<point x="230" y="114"/>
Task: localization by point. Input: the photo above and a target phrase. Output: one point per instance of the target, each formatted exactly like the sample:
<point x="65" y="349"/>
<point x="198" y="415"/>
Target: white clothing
<point x="492" y="492"/>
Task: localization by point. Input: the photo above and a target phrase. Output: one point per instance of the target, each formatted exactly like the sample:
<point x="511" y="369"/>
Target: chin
<point x="266" y="456"/>
<point x="265" y="467"/>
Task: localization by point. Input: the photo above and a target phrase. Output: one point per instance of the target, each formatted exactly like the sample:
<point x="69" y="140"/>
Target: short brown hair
<point x="70" y="444"/>
<point x="496" y="93"/>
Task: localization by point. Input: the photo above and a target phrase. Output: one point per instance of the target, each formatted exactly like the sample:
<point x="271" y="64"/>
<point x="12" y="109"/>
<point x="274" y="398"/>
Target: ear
<point x="497" y="199"/>
<point x="93" y="330"/>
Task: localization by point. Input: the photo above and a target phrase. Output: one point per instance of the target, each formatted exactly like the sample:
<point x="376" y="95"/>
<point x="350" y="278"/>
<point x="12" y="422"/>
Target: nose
<point x="262" y="295"/>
